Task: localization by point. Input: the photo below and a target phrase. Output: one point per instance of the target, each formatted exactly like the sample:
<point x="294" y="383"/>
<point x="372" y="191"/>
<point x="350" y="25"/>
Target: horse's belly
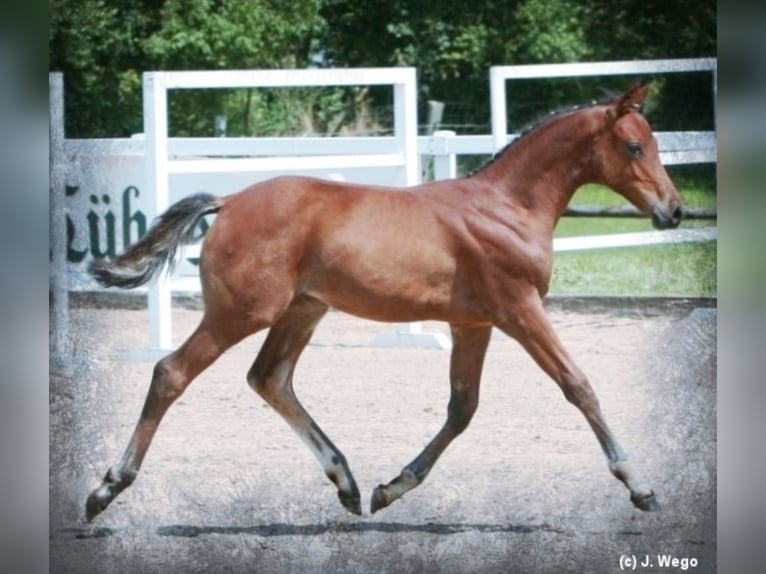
<point x="395" y="297"/>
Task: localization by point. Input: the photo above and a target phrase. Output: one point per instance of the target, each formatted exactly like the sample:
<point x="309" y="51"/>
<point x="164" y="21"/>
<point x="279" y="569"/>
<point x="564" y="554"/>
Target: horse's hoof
<point x="93" y="507"/>
<point x="379" y="499"/>
<point x="645" y="502"/>
<point x="351" y="502"/>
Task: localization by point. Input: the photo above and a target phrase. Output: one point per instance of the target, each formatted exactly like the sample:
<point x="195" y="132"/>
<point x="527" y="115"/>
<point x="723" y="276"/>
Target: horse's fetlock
<point x="120" y="477"/>
<point x="412" y="477"/>
<point x="621" y="469"/>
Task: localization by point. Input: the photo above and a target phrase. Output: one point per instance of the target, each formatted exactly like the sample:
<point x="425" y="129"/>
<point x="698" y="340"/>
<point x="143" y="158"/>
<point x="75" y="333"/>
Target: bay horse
<point x="475" y="252"/>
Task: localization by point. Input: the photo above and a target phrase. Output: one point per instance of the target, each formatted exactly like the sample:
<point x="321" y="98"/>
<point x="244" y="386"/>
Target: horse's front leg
<point x="469" y="346"/>
<point x="531" y="327"/>
<point x="271" y="376"/>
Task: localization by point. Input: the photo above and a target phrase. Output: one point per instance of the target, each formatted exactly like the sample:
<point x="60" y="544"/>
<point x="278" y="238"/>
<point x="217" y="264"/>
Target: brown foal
<point x="475" y="252"/>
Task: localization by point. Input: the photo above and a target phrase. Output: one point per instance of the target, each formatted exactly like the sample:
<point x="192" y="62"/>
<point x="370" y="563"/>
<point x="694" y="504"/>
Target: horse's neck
<point x="542" y="171"/>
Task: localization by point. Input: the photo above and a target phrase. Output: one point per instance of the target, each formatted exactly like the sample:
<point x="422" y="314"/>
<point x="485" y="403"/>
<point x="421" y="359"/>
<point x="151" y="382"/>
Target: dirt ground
<point x="227" y="487"/>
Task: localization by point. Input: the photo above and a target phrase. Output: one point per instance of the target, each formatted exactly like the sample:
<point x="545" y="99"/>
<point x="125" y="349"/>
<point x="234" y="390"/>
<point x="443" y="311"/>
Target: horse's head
<point x="628" y="160"/>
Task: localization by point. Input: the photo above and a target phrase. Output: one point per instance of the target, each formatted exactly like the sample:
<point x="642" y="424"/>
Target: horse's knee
<point x="460" y="412"/>
<point x="168" y="381"/>
<point x="578" y="391"/>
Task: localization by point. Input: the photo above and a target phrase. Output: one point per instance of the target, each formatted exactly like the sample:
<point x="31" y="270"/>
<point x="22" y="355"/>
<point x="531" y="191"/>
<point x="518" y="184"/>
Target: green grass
<point x="687" y="269"/>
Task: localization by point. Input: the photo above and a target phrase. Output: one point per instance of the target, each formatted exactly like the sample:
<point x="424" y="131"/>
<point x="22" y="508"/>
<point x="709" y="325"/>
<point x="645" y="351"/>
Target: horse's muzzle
<point x="667" y="218"/>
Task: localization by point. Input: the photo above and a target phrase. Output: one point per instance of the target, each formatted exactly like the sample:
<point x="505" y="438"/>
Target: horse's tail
<point x="143" y="260"/>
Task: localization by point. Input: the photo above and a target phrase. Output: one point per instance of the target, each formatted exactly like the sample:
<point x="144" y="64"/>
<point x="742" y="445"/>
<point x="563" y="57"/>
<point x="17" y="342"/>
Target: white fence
<point x="160" y="165"/>
<point x="500" y="75"/>
<point x="127" y="182"/>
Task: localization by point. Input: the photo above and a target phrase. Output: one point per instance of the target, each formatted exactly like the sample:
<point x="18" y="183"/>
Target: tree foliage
<point x="453" y="43"/>
<point x="103" y="46"/>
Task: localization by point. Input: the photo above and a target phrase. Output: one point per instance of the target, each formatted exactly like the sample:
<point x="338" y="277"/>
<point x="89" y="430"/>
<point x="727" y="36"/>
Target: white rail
<point x="499" y="75"/>
<point x="634" y="239"/>
<point x="295" y="163"/>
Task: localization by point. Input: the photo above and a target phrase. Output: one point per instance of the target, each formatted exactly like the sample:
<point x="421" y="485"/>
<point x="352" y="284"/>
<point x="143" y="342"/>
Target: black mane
<point x="538" y="123"/>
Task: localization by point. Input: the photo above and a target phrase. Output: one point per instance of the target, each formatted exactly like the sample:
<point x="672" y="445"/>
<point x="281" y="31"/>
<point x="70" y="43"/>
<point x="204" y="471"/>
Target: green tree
<point x="104" y="47"/>
<point x="550" y="31"/>
<point x="454" y="42"/>
<point x="98" y="47"/>
<point x="653" y="29"/>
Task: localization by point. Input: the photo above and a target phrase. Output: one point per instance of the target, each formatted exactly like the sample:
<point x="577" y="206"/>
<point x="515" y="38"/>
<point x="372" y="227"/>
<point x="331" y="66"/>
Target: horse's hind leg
<point x="271" y="376"/>
<point x="469" y="345"/>
<point x="533" y="330"/>
<point x="171" y="377"/>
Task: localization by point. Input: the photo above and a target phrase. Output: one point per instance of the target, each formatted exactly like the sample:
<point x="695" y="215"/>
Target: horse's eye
<point x="635" y="148"/>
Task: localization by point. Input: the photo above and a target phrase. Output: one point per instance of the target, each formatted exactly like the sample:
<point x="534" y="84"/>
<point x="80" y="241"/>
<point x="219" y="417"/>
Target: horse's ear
<point x="633" y="99"/>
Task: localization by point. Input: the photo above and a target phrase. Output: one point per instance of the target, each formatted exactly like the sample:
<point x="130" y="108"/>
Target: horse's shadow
<point x="273" y="530"/>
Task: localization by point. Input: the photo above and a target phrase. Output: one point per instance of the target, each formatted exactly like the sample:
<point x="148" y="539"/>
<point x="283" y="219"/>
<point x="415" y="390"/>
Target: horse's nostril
<point x="678" y="213"/>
